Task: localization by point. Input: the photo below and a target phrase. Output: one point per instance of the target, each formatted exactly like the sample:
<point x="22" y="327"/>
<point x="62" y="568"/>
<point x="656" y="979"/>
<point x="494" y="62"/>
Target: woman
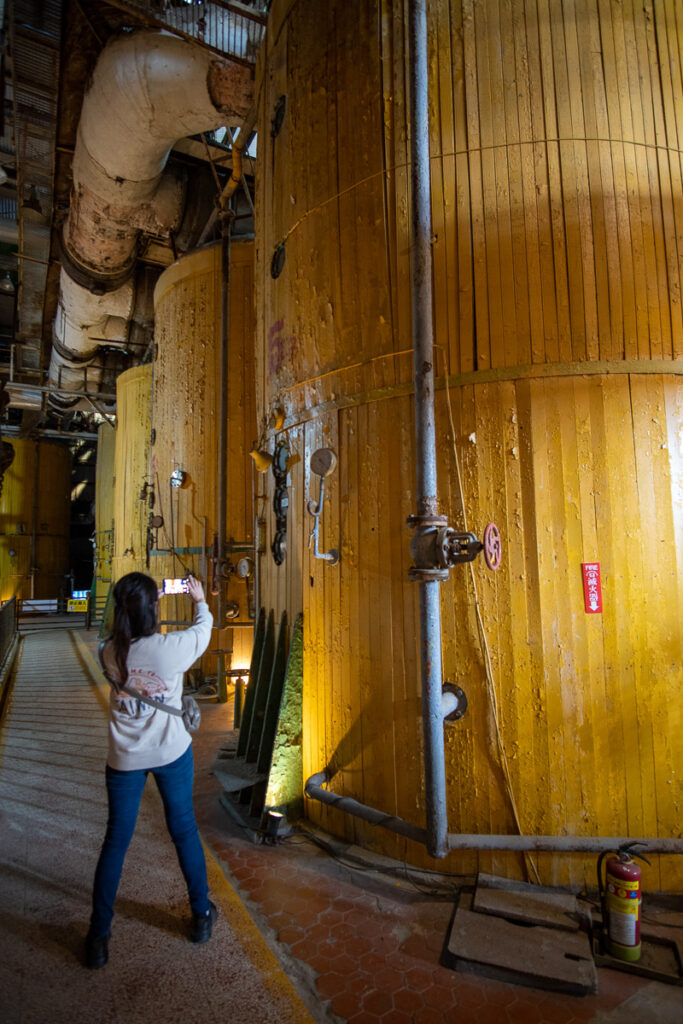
<point x="144" y="739"/>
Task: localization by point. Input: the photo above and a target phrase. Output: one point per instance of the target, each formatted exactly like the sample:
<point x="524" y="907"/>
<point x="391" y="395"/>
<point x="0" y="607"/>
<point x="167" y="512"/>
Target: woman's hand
<point x="195" y="589"/>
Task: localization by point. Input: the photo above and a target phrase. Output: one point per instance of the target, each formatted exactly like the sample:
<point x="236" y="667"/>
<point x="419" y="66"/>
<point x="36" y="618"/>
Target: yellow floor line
<point x="254" y="945"/>
<point x="246" y="931"/>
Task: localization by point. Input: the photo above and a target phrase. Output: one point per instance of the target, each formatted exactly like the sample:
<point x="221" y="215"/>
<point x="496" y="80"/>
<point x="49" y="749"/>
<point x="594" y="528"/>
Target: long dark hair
<point x="135" y="615"/>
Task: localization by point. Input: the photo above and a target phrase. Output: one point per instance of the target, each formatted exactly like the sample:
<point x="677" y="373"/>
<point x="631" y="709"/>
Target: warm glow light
<point x="78" y="490"/>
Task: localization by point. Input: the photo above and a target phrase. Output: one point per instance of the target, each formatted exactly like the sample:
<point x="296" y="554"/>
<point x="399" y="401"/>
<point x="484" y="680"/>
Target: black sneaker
<point x="202" y="924"/>
<point x="96" y="951"/>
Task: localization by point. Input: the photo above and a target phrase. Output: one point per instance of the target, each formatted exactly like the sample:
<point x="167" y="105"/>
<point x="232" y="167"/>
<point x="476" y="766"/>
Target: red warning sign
<point x="592" y="587"/>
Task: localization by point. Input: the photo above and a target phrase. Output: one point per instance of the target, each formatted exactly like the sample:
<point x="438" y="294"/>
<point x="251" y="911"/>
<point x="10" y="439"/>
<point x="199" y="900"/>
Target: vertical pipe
<point x="226" y="228"/>
<point x="256" y="538"/>
<point x="425" y="432"/>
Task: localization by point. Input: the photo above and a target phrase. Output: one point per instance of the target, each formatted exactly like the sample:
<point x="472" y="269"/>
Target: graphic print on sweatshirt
<point x="145" y="682"/>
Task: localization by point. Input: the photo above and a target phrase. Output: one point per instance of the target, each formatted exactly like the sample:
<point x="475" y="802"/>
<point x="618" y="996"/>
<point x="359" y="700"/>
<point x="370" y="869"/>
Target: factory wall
<point x="34" y="521"/>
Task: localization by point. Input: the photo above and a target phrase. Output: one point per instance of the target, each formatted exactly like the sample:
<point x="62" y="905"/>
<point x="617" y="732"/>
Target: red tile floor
<point x="367" y="947"/>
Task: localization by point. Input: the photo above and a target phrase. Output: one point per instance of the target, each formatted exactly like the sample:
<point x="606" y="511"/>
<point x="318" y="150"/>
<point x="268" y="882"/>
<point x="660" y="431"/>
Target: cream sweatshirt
<point x="141" y="736"/>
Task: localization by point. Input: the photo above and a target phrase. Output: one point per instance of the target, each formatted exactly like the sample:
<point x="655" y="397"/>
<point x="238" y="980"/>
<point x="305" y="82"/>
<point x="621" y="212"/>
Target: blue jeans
<point x="124" y="790"/>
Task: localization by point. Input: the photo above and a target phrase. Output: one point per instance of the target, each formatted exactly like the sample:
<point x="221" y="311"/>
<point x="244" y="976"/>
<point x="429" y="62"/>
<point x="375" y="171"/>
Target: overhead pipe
<point x="148" y="90"/>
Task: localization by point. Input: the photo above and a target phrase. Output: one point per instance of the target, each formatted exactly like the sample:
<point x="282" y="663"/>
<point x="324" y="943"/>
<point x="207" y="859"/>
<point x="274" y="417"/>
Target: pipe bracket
<point x="416" y="575"/>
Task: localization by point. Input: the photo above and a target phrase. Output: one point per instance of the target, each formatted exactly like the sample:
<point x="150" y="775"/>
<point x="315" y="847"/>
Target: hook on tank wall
<point x="323" y="462"/>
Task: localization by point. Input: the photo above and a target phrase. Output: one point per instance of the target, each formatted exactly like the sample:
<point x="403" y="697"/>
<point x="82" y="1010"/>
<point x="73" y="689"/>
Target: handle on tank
<point x="628" y="849"/>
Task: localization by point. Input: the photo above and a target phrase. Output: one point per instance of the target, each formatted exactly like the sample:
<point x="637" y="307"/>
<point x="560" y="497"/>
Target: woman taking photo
<point x="144" y="739"/>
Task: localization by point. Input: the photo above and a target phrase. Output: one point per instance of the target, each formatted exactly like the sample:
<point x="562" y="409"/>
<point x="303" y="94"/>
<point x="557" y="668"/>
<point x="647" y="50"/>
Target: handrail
<point x="8" y="626"/>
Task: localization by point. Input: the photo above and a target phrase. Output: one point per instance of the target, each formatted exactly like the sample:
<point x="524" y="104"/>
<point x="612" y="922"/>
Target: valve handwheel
<point x="493" y="546"/>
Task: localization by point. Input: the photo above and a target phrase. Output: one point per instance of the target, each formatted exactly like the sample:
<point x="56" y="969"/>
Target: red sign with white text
<point x="592" y="587"/>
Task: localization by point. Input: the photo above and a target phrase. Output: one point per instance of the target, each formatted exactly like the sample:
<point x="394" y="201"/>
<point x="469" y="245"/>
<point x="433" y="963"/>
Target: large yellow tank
<point x="104" y="513"/>
<point x="185" y="420"/>
<point x="556" y="194"/>
<point x="34" y="522"/>
<point x="133" y="484"/>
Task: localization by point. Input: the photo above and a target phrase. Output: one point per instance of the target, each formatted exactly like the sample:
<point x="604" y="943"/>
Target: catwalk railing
<point x="8" y="627"/>
<point x="231" y="29"/>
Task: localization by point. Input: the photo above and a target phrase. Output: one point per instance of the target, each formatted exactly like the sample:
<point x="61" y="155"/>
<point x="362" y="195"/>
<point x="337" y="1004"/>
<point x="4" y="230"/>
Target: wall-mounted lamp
<point x="262" y="459"/>
<point x="277" y="418"/>
<point x="7" y="284"/>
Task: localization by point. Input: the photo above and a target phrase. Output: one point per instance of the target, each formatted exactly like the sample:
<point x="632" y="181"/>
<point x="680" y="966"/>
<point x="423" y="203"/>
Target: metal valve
<point x="453" y="548"/>
<point x="436" y="547"/>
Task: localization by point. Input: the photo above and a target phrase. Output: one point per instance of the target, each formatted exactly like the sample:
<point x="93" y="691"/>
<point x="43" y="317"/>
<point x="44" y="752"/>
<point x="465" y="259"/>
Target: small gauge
<point x="244" y="568"/>
<point x="323" y="461"/>
<point x="178" y="477"/>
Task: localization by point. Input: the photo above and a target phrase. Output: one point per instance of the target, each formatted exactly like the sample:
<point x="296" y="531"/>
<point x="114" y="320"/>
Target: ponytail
<point x="120" y="641"/>
<point x="135" y="597"/>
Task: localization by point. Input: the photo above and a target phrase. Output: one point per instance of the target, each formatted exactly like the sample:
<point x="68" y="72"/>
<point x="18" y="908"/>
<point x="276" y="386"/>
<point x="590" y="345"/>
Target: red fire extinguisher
<point x="621" y="901"/>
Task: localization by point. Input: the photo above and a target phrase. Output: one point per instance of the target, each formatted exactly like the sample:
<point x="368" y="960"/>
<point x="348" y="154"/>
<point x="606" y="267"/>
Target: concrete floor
<point x="302" y="935"/>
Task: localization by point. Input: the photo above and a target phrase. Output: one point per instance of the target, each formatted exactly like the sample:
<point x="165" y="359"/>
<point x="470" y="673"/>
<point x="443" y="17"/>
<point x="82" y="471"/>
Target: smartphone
<point x="175" y="586"/>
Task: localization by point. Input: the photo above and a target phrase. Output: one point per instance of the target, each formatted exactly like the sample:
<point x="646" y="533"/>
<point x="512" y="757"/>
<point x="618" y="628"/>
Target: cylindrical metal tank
<point x="34" y="521"/>
<point x="133" y="486"/>
<point x="555" y="197"/>
<point x="105" y="480"/>
<point x="185" y="421"/>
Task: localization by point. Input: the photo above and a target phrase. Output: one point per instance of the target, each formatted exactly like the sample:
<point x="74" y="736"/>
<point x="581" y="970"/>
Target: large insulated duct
<point x="148" y="90"/>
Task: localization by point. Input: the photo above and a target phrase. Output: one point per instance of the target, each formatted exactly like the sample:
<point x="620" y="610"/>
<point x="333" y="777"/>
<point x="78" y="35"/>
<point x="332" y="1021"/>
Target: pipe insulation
<point x="148" y="90"/>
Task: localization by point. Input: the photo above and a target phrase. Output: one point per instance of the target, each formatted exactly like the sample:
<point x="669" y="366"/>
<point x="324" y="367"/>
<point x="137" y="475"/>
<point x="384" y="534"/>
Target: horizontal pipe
<point x="345" y="803"/>
<point x="455" y="841"/>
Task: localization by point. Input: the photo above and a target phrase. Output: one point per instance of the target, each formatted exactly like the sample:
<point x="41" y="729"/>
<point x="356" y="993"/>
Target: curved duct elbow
<point x="148" y="90"/>
<point x="83" y="322"/>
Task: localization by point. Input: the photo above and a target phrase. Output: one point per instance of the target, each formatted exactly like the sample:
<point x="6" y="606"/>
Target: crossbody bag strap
<point x="134" y="693"/>
<point x="153" y="703"/>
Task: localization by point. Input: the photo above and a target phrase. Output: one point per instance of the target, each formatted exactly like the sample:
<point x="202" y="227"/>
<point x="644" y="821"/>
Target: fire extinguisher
<point x="621" y="901"/>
